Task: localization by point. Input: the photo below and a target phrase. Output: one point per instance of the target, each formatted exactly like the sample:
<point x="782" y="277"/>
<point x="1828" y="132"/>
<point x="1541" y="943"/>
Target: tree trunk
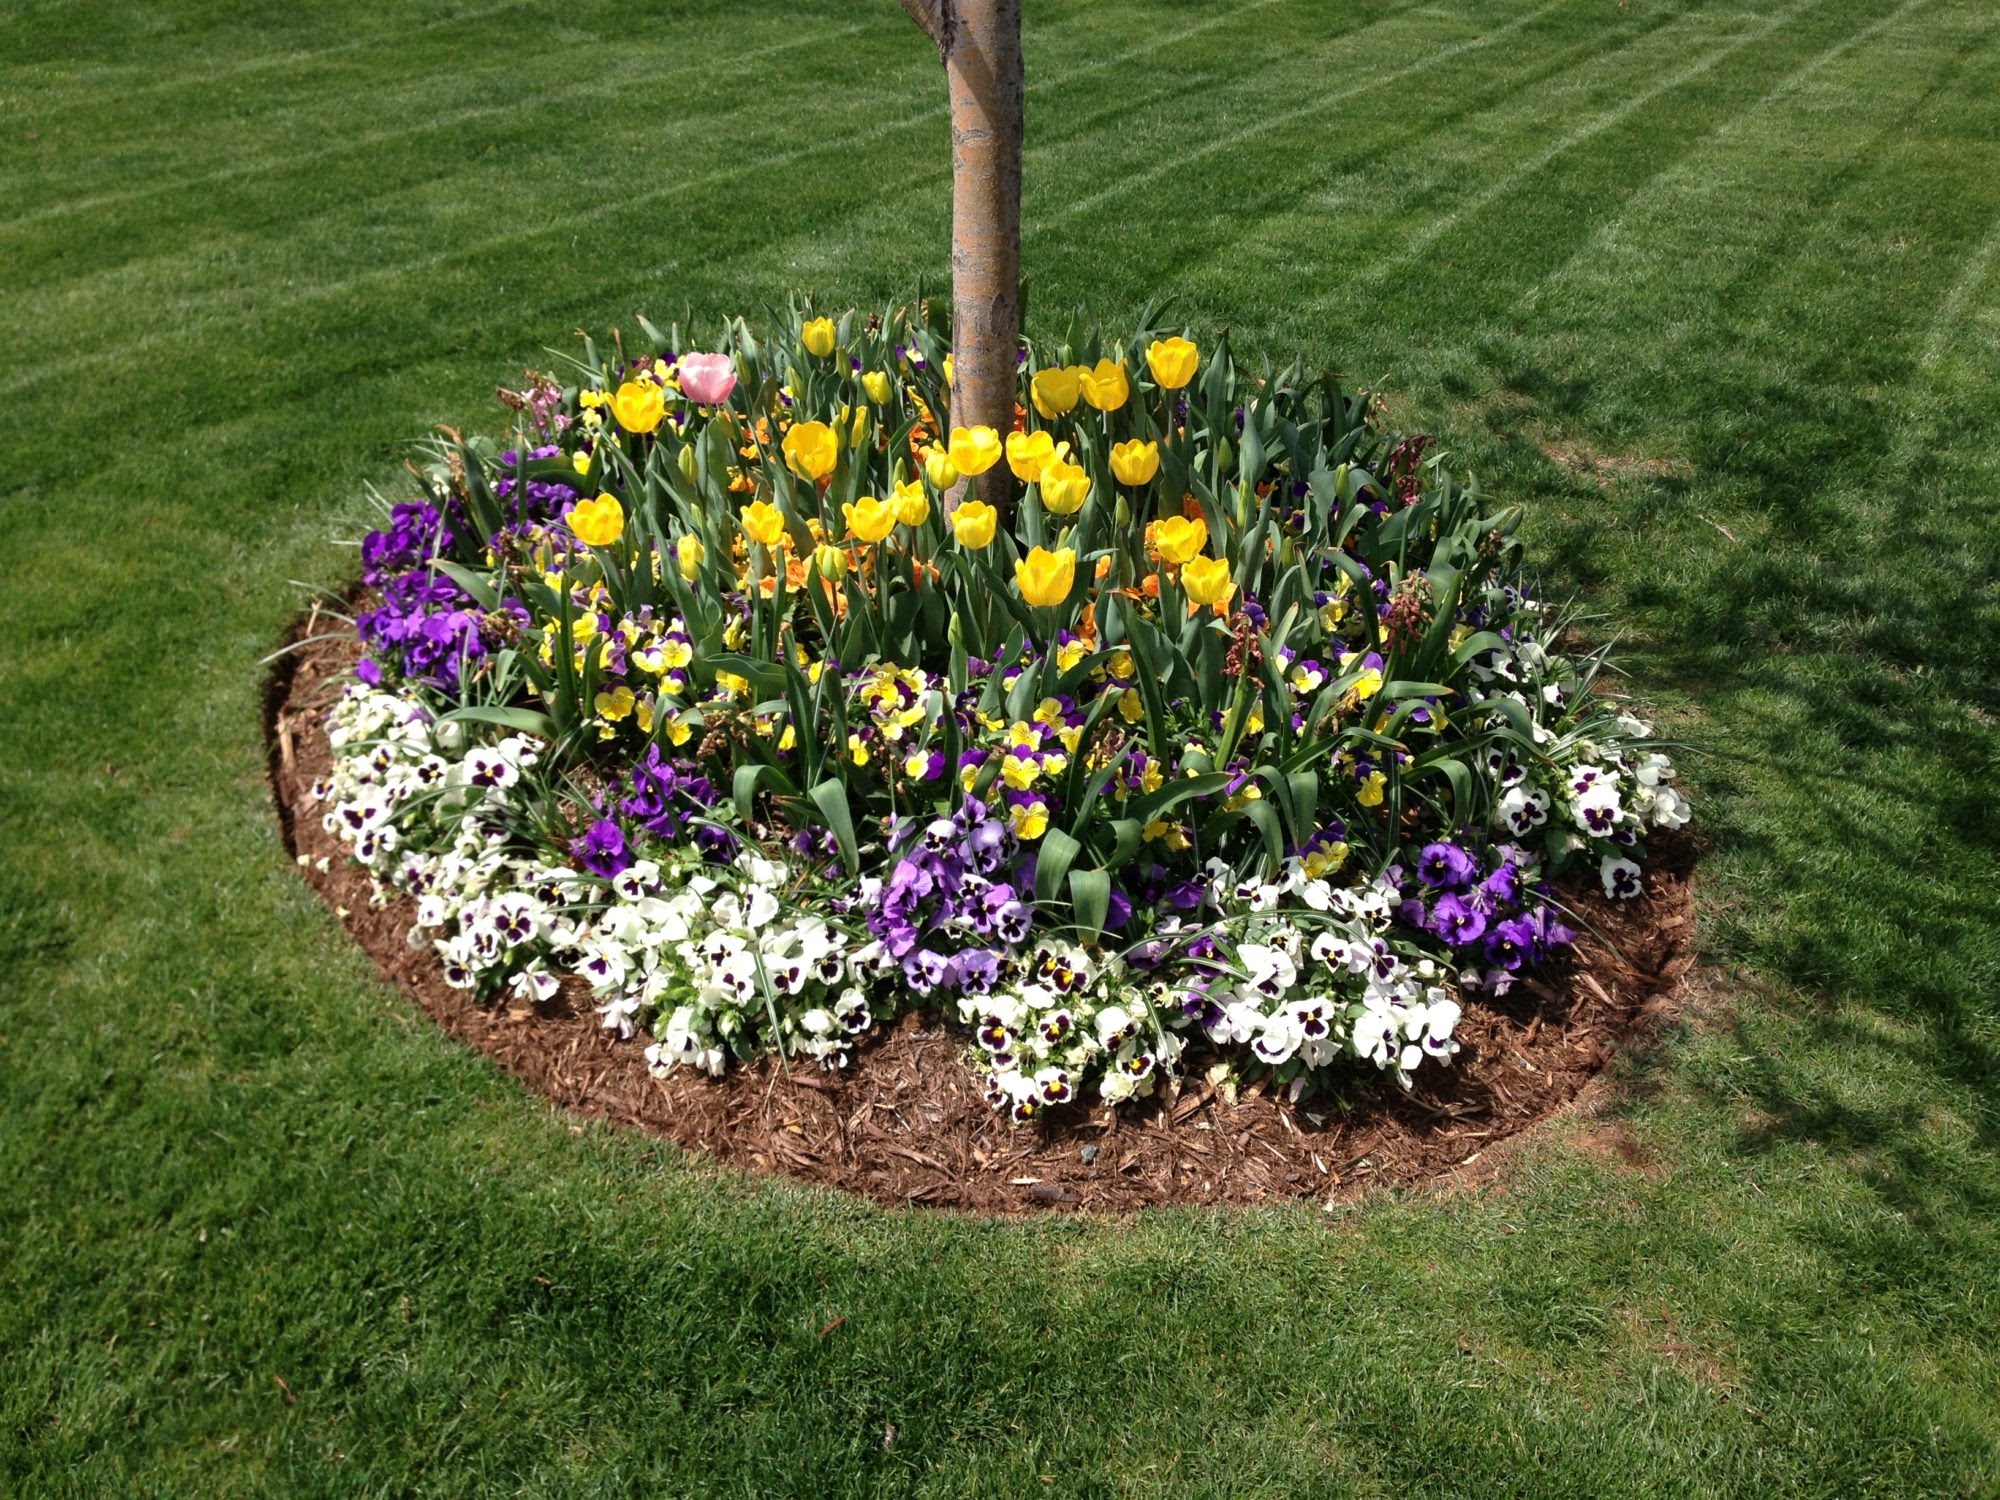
<point x="980" y="42"/>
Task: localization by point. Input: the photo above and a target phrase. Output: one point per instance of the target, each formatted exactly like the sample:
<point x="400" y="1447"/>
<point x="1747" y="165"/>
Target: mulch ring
<point x="905" y="1122"/>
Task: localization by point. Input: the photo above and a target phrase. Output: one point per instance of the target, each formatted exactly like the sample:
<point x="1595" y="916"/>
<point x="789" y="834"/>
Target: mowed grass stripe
<point x="1691" y="164"/>
<point x="187" y="312"/>
<point x="607" y="77"/>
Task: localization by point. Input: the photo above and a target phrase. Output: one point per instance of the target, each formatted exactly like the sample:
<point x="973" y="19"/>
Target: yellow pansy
<point x="811" y="450"/>
<point x="580" y="462"/>
<point x="818" y="337"/>
<point x="1207" y="580"/>
<point x="1045" y="577"/>
<point x="1054" y="391"/>
<point x="678" y="730"/>
<point x="870" y="519"/>
<point x="1135" y="461"/>
<point x="1172" y="362"/>
<point x="913" y="506"/>
<point x="639" y="406"/>
<point x="974" y="450"/>
<point x="1065" y="486"/>
<point x="973" y="523"/>
<point x="857" y="750"/>
<point x="1180" y="539"/>
<point x="616" y="704"/>
<point x="688" y="555"/>
<point x="1370" y="793"/>
<point x="1029" y="822"/>
<point x="1106" y="387"/>
<point x="763" y="522"/>
<point x="599" y="522"/>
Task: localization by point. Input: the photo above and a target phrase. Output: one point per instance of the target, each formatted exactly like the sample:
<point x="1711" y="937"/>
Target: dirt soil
<point x="905" y="1122"/>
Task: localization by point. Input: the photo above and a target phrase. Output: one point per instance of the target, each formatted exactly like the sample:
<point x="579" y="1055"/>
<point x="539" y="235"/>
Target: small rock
<point x="1089" y="1154"/>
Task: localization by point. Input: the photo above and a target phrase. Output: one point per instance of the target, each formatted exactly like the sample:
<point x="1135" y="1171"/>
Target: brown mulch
<point x="905" y="1122"/>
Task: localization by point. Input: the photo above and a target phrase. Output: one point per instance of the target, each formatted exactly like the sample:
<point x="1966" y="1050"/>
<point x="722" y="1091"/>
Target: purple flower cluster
<point x="948" y="877"/>
<point x="1485" y="911"/>
<point x="672" y="800"/>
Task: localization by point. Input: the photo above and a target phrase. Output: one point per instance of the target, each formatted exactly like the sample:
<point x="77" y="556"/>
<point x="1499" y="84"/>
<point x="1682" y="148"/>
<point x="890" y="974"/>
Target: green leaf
<point x="1058" y="853"/>
<point x="831" y="799"/>
<point x="1090" y="899"/>
<point x="527" y="720"/>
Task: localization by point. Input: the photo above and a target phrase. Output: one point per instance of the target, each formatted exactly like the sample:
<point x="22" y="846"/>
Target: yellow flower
<point x="1044" y="576"/>
<point x="938" y="468"/>
<point x="818" y="337"/>
<point x="688" y="555"/>
<point x="580" y="462"/>
<point x="857" y="750"/>
<point x="1107" y="387"/>
<point x="974" y="450"/>
<point x="876" y="384"/>
<point x="599" y="522"/>
<point x="947" y="369"/>
<point x="1207" y="580"/>
<point x="1370" y="794"/>
<point x="1172" y="362"/>
<point x="913" y="506"/>
<point x="1029" y="822"/>
<point x="639" y="406"/>
<point x="615" y="705"/>
<point x="763" y="522"/>
<point x="1028" y="453"/>
<point x="1054" y="391"/>
<point x="829" y="561"/>
<point x="870" y="519"/>
<point x="811" y="450"/>
<point x="1065" y="486"/>
<point x="973" y="523"/>
<point x="1135" y="461"/>
<point x="855" y="419"/>
<point x="1180" y="539"/>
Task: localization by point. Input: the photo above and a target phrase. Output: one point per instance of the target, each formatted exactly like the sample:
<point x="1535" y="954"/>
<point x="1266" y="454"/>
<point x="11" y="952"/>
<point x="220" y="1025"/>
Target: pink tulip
<point x="707" y="378"/>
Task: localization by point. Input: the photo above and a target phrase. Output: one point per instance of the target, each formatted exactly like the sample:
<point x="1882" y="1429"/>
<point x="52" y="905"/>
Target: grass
<point x="1735" y="265"/>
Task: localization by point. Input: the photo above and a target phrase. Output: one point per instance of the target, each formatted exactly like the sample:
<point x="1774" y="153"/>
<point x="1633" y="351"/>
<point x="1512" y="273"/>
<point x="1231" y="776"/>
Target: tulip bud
<point x="876" y="384"/>
<point x="939" y="470"/>
<point x="690" y="467"/>
<point x="830" y="562"/>
<point x="688" y="554"/>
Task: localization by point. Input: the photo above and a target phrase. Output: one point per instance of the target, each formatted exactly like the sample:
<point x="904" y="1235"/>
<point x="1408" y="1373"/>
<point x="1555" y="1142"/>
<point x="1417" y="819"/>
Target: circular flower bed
<point x="1237" y="745"/>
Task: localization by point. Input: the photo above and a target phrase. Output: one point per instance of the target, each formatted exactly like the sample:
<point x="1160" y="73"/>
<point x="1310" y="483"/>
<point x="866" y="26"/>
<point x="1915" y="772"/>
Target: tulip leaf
<point x="830" y="797"/>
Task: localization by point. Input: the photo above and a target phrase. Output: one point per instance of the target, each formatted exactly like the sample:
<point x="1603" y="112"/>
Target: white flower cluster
<point x="1311" y="978"/>
<point x="708" y="954"/>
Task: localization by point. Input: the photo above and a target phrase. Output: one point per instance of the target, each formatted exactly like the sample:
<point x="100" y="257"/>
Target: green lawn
<point x="1712" y="288"/>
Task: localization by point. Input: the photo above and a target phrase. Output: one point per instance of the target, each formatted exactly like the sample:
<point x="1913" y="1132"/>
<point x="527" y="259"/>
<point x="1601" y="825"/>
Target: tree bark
<point x="980" y="42"/>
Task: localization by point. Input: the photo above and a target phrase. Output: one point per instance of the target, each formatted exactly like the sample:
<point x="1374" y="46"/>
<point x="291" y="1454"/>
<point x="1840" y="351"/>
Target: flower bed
<point x="1237" y="744"/>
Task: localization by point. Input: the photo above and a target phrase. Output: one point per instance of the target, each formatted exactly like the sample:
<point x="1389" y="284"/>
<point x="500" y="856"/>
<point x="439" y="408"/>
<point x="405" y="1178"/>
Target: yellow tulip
<point x="1179" y="539"/>
<point x="1028" y="453"/>
<point x="855" y="420"/>
<point x="870" y="519"/>
<point x="947" y="369"/>
<point x="599" y="522"/>
<point x="1065" y="486"/>
<point x="639" y="406"/>
<point x="876" y="384"/>
<point x="688" y="555"/>
<point x="973" y="523"/>
<point x="1207" y="580"/>
<point x="1044" y="576"/>
<point x="811" y="450"/>
<point x="1107" y="387"/>
<point x="763" y="522"/>
<point x="818" y="337"/>
<point x="1172" y="362"/>
<point x="974" y="450"/>
<point x="1135" y="461"/>
<point x="938" y="468"/>
<point x="913" y="506"/>
<point x="830" y="562"/>
<point x="1054" y="391"/>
